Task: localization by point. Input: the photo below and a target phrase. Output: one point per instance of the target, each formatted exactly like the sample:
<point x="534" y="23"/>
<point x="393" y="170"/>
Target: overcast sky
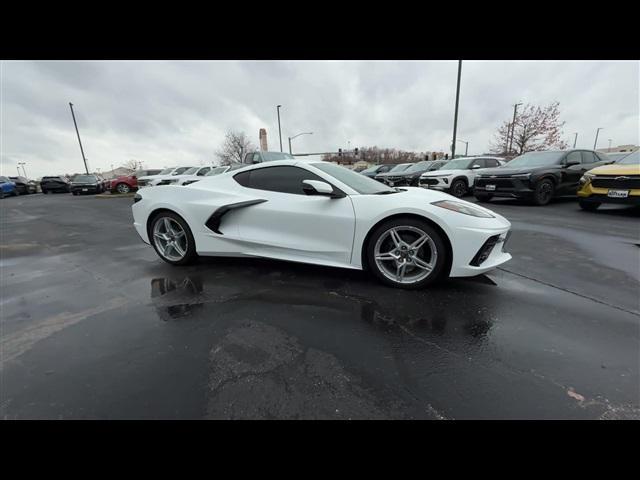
<point x="171" y="113"/>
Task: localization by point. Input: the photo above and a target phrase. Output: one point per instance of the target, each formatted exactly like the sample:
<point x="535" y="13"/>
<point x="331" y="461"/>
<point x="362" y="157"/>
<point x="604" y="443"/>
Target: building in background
<point x="263" y="140"/>
<point x="619" y="149"/>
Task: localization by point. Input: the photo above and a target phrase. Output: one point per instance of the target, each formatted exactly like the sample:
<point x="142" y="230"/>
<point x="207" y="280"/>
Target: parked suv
<point x="616" y="183"/>
<point x="538" y="176"/>
<point x="54" y="184"/>
<point x="24" y="186"/>
<point x="151" y="180"/>
<point x="7" y="187"/>
<point x="129" y="183"/>
<point x="397" y="169"/>
<point x="457" y="176"/>
<point x="411" y="175"/>
<point x="371" y="172"/>
<point x="86" y="184"/>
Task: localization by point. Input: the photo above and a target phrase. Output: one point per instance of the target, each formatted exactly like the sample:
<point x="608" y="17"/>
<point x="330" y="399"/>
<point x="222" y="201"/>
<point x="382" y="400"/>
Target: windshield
<point x="401" y="167"/>
<point x="631" y="159"/>
<point x="181" y="170"/>
<point x="84" y="179"/>
<point x="191" y="171"/>
<point x="458" y="164"/>
<point x="536" y="159"/>
<point x="358" y="182"/>
<point x="271" y="156"/>
<point x="416" y="167"/>
<point x="166" y="171"/>
<point x="373" y="169"/>
<point x="216" y="171"/>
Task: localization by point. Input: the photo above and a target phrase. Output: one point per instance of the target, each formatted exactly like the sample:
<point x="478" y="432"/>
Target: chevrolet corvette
<point x="320" y="213"/>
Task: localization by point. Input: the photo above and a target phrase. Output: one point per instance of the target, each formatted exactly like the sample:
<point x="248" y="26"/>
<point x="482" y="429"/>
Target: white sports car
<point x="320" y="213"/>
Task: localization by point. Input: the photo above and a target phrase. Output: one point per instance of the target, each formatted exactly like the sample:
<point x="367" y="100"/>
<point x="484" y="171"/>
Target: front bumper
<point x="504" y="187"/>
<point x="436" y="183"/>
<point x="589" y="193"/>
<point x="84" y="188"/>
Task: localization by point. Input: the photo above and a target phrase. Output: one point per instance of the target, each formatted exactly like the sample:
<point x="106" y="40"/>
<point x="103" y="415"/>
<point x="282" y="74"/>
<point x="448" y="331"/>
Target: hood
<point x="435" y="173"/>
<point x="616" y="169"/>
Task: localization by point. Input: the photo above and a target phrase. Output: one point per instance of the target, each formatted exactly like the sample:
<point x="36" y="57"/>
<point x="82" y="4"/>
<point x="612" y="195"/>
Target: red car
<point x="129" y="183"/>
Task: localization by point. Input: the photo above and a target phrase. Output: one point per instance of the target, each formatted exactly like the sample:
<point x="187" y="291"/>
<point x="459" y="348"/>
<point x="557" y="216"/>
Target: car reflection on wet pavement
<point x="96" y="326"/>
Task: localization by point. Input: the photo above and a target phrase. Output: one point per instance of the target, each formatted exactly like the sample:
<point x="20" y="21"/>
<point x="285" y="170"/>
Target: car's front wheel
<point x="458" y="188"/>
<point x="172" y="239"/>
<point x="543" y="192"/>
<point x="406" y="253"/>
<point x="123" y="188"/>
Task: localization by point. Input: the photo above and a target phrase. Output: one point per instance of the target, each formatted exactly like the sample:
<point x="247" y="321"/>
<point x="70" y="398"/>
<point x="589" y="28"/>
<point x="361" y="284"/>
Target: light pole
<point x="609" y="145"/>
<point x="575" y="139"/>
<point x="596" y="141"/>
<point x="78" y="133"/>
<point x="291" y="138"/>
<point x="24" y="170"/>
<point x="455" y="115"/>
<point x="279" y="129"/>
<point x="513" y="125"/>
<point x="466" y="147"/>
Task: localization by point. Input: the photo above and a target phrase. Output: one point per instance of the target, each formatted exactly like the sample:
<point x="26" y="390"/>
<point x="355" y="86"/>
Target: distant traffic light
<point x="356" y="151"/>
<point x="339" y="152"/>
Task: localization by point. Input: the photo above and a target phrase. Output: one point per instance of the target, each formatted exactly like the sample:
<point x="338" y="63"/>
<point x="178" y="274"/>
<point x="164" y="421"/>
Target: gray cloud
<point x="165" y="113"/>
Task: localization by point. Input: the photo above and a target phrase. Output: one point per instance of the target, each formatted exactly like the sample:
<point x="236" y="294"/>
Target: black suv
<point x="411" y="176"/>
<point x="538" y="176"/>
<point x="86" y="184"/>
<point x="371" y="172"/>
<point x="54" y="184"/>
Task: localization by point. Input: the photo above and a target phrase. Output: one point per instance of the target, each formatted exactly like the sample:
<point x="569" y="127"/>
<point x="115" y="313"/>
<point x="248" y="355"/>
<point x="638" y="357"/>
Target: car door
<point x="290" y="224"/>
<point x="570" y="176"/>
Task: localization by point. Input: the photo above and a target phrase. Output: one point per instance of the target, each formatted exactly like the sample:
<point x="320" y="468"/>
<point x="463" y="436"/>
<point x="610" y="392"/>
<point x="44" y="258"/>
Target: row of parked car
<point x="594" y="177"/>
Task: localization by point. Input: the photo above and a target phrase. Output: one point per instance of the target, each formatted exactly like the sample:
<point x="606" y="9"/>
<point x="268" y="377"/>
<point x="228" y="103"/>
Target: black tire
<point x="15" y="192"/>
<point x="483" y="197"/>
<point x="442" y="254"/>
<point x="588" y="206"/>
<point x="543" y="192"/>
<point x="122" y="188"/>
<point x="190" y="256"/>
<point x="458" y="188"/>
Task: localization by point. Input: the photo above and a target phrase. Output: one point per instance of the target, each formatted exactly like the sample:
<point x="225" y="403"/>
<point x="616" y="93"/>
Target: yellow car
<point x="615" y="183"/>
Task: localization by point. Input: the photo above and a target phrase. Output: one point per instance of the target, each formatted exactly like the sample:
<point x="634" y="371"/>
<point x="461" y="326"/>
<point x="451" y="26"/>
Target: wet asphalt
<point x="95" y="326"/>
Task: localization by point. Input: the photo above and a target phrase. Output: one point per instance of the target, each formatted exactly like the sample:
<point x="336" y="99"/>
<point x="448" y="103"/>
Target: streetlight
<point x="513" y="125"/>
<point x="291" y="138"/>
<point x="23" y="169"/>
<point x="609" y="144"/>
<point x="575" y="139"/>
<point x="466" y="147"/>
<point x="279" y="129"/>
<point x="596" y="141"/>
<point x="78" y="133"/>
<point x="455" y="116"/>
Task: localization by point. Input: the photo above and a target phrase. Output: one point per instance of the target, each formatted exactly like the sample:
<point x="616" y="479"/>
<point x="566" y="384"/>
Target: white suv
<point x="457" y="176"/>
<point x="153" y="180"/>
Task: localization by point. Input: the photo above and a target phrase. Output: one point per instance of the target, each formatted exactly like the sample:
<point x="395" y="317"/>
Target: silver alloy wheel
<point x="405" y="254"/>
<point x="170" y="239"/>
<point x="123" y="188"/>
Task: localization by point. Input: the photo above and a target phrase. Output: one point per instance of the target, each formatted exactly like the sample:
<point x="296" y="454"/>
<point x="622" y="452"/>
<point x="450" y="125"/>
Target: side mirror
<point x="316" y="187"/>
<point x="475" y="166"/>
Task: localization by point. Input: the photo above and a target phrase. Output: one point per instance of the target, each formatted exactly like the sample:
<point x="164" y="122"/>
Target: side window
<point x="203" y="171"/>
<point x="277" y="179"/>
<point x="588" y="157"/>
<point x="492" y="162"/>
<point x="479" y="162"/>
<point x="573" y="157"/>
<point x="248" y="158"/>
<point x="243" y="178"/>
<point x="257" y="158"/>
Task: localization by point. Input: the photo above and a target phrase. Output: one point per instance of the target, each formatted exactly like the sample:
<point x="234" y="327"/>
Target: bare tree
<point x="131" y="165"/>
<point x="236" y="145"/>
<point x="535" y="128"/>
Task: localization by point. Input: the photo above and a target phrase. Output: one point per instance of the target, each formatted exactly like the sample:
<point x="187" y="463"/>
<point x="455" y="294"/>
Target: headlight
<point x="462" y="208"/>
<point x="522" y="176"/>
<point x="586" y="178"/>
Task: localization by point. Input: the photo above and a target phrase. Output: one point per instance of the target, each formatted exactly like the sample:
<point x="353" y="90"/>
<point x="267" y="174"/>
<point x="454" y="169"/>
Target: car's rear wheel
<point x="543" y="192"/>
<point x="458" y="188"/>
<point x="172" y="239"/>
<point x="588" y="206"/>
<point x="406" y="253"/>
<point x="483" y="197"/>
<point x="123" y="188"/>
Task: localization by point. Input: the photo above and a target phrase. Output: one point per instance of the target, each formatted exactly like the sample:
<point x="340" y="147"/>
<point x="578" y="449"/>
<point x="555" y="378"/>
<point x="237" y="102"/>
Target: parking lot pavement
<point x="94" y="325"/>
